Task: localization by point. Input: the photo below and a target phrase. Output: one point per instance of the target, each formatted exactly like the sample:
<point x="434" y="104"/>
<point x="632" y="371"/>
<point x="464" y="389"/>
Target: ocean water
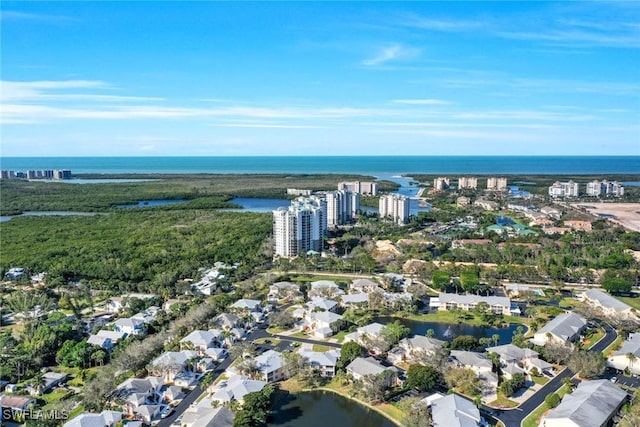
<point x="367" y="165"/>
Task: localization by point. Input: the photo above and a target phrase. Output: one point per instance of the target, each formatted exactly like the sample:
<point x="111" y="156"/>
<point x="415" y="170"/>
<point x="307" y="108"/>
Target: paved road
<point x="306" y="340"/>
<point x="514" y="417"/>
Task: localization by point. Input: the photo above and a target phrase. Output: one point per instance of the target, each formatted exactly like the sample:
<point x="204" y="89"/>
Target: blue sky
<point x="351" y="78"/>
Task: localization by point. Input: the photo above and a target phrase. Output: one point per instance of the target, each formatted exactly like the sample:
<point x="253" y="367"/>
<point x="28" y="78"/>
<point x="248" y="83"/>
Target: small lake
<point x="448" y="331"/>
<point x="258" y="205"/>
<point x="323" y="408"/>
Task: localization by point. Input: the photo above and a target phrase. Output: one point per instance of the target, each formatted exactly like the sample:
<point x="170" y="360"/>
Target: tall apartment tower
<point x="394" y="207"/>
<point x="301" y="227"/>
<point x="604" y="188"/>
<point x="467" y="182"/>
<point x="564" y="189"/>
<point x="496" y="184"/>
<point x="441" y="183"/>
<point x="341" y="206"/>
<point x="368" y="188"/>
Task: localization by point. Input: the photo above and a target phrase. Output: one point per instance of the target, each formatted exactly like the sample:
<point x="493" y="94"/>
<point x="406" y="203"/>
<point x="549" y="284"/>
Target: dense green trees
<point x="587" y="364"/>
<point x="256" y="407"/>
<point x="135" y="250"/>
<point x="423" y="377"/>
<point x="617" y="281"/>
<point x="509" y="387"/>
<point x="466" y="342"/>
<point x="350" y="351"/>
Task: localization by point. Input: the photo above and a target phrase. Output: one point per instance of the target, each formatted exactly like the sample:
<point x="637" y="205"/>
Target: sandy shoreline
<point x="625" y="214"/>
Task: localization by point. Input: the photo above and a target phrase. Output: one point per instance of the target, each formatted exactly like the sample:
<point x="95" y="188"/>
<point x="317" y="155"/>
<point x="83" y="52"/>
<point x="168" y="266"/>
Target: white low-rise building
<point x="103" y="419"/>
<point x="628" y="357"/>
<point x="446" y="302"/>
<point x="563" y="329"/>
<point x="609" y="305"/>
<point x="592" y="404"/>
<point x="271" y="366"/>
<point x="324" y="362"/>
<point x="454" y="411"/>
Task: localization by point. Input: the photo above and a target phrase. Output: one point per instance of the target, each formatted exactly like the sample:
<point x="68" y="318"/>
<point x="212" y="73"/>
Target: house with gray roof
<point x="114" y="336"/>
<point x="285" y="291"/>
<point x="363" y="366"/>
<point x="454" y="411"/>
<point x="129" y="326"/>
<point x="325" y="289"/>
<point x="364" y="335"/>
<point x="609" y="305"/>
<point x="103" y="419"/>
<point x="235" y="388"/>
<point x="592" y="404"/>
<point x="324" y="362"/>
<point x="271" y="366"/>
<point x="323" y="304"/>
<point x="478" y="362"/>
<point x="227" y="321"/>
<point x="322" y="324"/>
<point x="360" y="299"/>
<point x="203" y="416"/>
<point x="247" y="305"/>
<point x="563" y="329"/>
<point x="201" y="340"/>
<point x="147" y="413"/>
<point x="364" y="285"/>
<point x="628" y="356"/>
<point x="171" y="364"/>
<point x="100" y="341"/>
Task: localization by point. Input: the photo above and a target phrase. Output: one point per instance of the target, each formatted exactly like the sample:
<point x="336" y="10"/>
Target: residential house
<point x="592" y="404"/>
<point x="103" y="419"/>
<point x="363" y="286"/>
<point x="446" y="302"/>
<point x="419" y="345"/>
<point x="478" y="363"/>
<point x="247" y="305"/>
<point x="514" y="359"/>
<point x="117" y="304"/>
<point x="16" y="403"/>
<point x="216" y="354"/>
<point x="324" y="362"/>
<point x="172" y="393"/>
<point x="171" y="364"/>
<point x="147" y="413"/>
<point x="609" y="305"/>
<point x="284" y="291"/>
<point x="114" y="336"/>
<point x="325" y="289"/>
<point x="365" y="335"/>
<point x="579" y="225"/>
<point x="363" y="366"/>
<point x="235" y="388"/>
<point x="51" y="380"/>
<point x="322" y="304"/>
<point x="135" y="392"/>
<point x="322" y="324"/>
<point x="227" y="321"/>
<point x="207" y="416"/>
<point x="628" y="356"/>
<point x="199" y="340"/>
<point x="271" y="366"/>
<point x="454" y="410"/>
<point x="563" y="329"/>
<point x="100" y="341"/>
<point x="354" y="300"/>
<point x="129" y="326"/>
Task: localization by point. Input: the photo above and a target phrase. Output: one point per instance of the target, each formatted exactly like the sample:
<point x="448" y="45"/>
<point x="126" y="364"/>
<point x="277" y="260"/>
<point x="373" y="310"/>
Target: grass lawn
<point x="336" y="278"/>
<point x="320" y="347"/>
<point x="56" y="396"/>
<point x="614" y="346"/>
<point x="593" y="339"/>
<point x="540" y="380"/>
<point x="633" y="302"/>
<point x="299" y="335"/>
<point x="339" y="337"/>
<point x="274" y="341"/>
<point x="451" y="317"/>
<point x="503" y="402"/>
<point x="391" y="410"/>
<point x="534" y="418"/>
<point x="275" y="329"/>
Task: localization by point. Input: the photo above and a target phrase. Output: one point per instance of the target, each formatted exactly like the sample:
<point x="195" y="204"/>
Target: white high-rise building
<point x="564" y="189"/>
<point x="467" y="182"/>
<point x="341" y="207"/>
<point x="496" y="184"/>
<point x="368" y="188"/>
<point x="394" y="207"/>
<point x="301" y="227"/>
<point x="604" y="188"/>
<point x="441" y="183"/>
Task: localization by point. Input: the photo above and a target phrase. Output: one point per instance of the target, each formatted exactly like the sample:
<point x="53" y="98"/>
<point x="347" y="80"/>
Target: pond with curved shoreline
<point x="448" y="331"/>
<point x="321" y="408"/>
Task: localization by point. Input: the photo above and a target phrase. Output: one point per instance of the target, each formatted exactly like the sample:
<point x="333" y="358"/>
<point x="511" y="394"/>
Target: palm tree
<point x="38" y="382"/>
<point x="496" y="339"/>
<point x="632" y="358"/>
<point x="98" y="357"/>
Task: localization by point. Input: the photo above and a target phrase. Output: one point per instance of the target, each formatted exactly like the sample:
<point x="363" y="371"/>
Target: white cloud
<point x="391" y="53"/>
<point x="427" y="101"/>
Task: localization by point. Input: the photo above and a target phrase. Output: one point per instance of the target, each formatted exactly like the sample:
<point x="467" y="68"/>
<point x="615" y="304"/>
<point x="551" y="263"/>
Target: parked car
<point x="614" y="379"/>
<point x="166" y="412"/>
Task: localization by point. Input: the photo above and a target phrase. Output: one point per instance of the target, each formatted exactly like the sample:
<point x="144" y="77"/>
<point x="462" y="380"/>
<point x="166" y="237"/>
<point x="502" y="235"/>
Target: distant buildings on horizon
<point x="594" y="189"/>
<point x="37" y="174"/>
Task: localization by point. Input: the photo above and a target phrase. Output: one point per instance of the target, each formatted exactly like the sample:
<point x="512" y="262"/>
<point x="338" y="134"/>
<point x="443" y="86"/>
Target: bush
<point x="552" y="400"/>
